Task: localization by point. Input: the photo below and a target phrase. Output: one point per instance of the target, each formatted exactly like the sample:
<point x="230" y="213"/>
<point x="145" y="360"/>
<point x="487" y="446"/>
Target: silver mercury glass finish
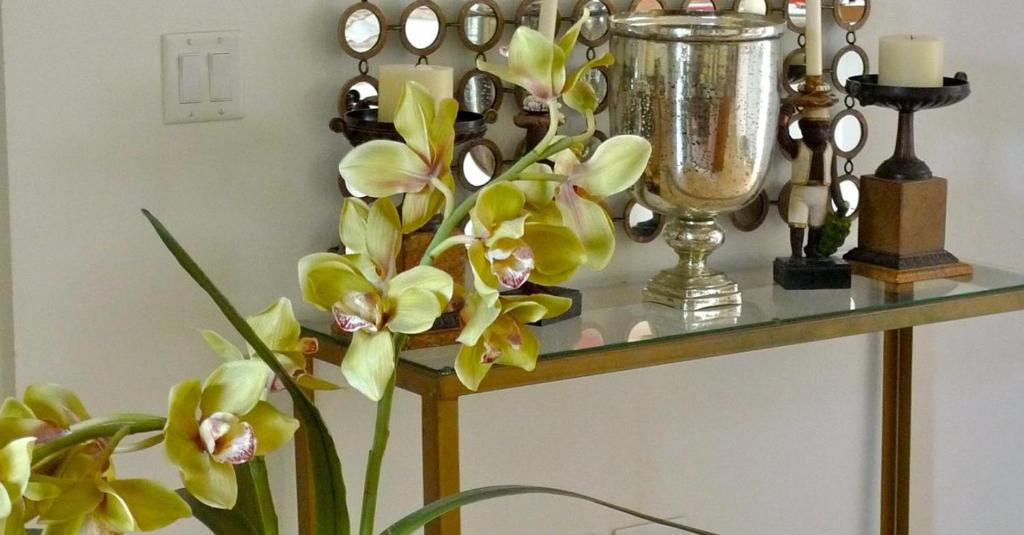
<point x="703" y="88"/>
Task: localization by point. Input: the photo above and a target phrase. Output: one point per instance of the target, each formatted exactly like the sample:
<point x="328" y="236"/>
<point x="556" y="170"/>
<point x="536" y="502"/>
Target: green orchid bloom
<point x="86" y="497"/>
<point x="538" y="65"/>
<point x="497" y="333"/>
<point x="222" y="423"/>
<point x="614" y="167"/>
<point x="509" y="248"/>
<point x="420" y="168"/>
<point x="369" y="299"/>
<point x="15" y="471"/>
<point x="46" y="412"/>
<point x="279" y="329"/>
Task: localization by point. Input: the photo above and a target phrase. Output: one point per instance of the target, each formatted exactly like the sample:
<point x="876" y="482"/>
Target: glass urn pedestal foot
<point x="691" y="286"/>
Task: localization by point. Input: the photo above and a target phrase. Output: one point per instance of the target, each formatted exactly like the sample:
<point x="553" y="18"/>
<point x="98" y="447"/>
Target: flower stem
<point x="100" y="428"/>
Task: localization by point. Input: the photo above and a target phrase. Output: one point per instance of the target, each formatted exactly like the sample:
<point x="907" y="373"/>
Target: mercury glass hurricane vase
<point x="703" y="88"/>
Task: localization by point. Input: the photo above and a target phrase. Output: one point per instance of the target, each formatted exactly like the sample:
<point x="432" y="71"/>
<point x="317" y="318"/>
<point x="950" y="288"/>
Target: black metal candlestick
<point x="904" y="164"/>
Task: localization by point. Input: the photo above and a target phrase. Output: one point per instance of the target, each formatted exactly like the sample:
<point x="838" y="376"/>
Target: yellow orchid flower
<point x="86" y="497"/>
<point x="510" y="248"/>
<point x="281" y="332"/>
<point x="615" y="166"/>
<point x="496" y="333"/>
<point x="15" y="471"/>
<point x="222" y="423"/>
<point x="369" y="299"/>
<point x="419" y="168"/>
<point x="46" y="412"/>
<point x="538" y="65"/>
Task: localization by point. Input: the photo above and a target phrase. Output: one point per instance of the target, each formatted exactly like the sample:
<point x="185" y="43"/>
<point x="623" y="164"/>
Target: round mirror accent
<point x="647" y="5"/>
<point x="481" y="25"/>
<point x="753" y="214"/>
<point x="478" y="163"/>
<point x="794" y="70"/>
<point x="598" y="79"/>
<point x="596" y="30"/>
<point x="528" y="15"/>
<point x="640" y="223"/>
<point x="480" y="92"/>
<point x="423" y="27"/>
<point x="796" y="15"/>
<point x="362" y="30"/>
<point x="849" y="61"/>
<point x="757" y="7"/>
<point x="849" y="133"/>
<point x="794" y="128"/>
<point x="356" y="94"/>
<point x="850" y="186"/>
<point x="700" y="5"/>
<point x="851" y="15"/>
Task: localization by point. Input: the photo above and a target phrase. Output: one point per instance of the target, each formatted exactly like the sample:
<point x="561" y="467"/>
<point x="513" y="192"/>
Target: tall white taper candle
<point x="814" y="38"/>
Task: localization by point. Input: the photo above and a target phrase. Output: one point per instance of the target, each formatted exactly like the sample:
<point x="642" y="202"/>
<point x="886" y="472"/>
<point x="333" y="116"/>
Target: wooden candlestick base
<point x="902" y="235"/>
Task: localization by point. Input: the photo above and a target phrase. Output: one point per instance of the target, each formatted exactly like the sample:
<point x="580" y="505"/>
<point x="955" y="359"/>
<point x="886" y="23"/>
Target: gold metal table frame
<point x="771" y="317"/>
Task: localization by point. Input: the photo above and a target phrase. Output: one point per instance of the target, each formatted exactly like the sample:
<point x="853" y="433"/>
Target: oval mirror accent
<point x="647" y="5"/>
<point x="362" y="30"/>
<point x="794" y="70"/>
<point x="849" y="185"/>
<point x="850" y="15"/>
<point x="480" y="92"/>
<point x="757" y="7"/>
<point x="528" y="15"/>
<point x="358" y="93"/>
<point x="849" y="61"/>
<point x="700" y="5"/>
<point x="753" y="214"/>
<point x="481" y="25"/>
<point x="478" y="163"/>
<point x="598" y="79"/>
<point x="849" y="133"/>
<point x="423" y="27"/>
<point x="641" y="224"/>
<point x="794" y="128"/>
<point x="796" y="15"/>
<point x="595" y="32"/>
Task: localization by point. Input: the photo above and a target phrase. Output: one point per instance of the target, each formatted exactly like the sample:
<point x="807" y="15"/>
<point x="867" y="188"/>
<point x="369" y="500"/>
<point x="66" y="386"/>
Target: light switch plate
<point x="228" y="104"/>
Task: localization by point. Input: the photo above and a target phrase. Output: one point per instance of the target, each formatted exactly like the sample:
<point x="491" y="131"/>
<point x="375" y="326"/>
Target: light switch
<point x="190" y="78"/>
<point x="202" y="76"/>
<point x="221" y="76"/>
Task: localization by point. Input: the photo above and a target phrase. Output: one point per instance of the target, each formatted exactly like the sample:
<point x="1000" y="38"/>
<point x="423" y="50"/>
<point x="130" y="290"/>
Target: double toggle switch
<point x="201" y="77"/>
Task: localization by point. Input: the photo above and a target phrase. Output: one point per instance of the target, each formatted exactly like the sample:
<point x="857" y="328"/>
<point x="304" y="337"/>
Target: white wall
<point x="783" y="441"/>
<point x="6" y="306"/>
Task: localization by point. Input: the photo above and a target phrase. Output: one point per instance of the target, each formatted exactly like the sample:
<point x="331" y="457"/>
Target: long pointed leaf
<point x="420" y="518"/>
<point x="254" y="499"/>
<point x="219" y="521"/>
<point x="329" y="486"/>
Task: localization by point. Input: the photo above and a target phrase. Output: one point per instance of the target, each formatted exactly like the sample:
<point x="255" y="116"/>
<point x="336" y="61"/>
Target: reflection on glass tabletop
<point x="614" y="316"/>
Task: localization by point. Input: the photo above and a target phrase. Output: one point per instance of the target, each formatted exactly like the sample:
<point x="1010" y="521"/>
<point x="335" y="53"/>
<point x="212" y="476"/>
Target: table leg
<point x="441" y="459"/>
<point x="897" y="378"/>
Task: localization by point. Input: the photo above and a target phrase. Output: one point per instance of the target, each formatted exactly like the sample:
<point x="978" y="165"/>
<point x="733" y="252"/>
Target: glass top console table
<point x="617" y="332"/>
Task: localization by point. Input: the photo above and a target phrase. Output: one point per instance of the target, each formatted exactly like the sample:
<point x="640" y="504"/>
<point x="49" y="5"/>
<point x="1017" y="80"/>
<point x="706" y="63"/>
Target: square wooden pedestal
<point x="902" y="235"/>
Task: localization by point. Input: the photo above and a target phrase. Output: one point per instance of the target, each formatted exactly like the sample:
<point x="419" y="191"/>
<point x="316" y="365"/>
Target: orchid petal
<point x="383" y="237"/>
<point x="484" y="280"/>
<point x="272" y="428"/>
<point x="72" y="526"/>
<point x="503" y="72"/>
<point x="326" y="277"/>
<point x="581" y="97"/>
<point x="568" y="40"/>
<point x="352" y="224"/>
<point x="55" y="404"/>
<point x="12" y="408"/>
<point x="276" y="326"/>
<point x="414" y="311"/>
<point x="478" y="314"/>
<point x="357" y="311"/>
<point x="557" y="253"/>
<point x="497" y="203"/>
<point x="414" y="117"/>
<point x="520" y="349"/>
<point x="615" y="166"/>
<point x="469" y="366"/>
<point x="591" y="223"/>
<point x="182" y="429"/>
<point x="312" y="382"/>
<point x="381" y="168"/>
<point x="566" y="162"/>
<point x="15" y="468"/>
<point x="216" y="487"/>
<point x="536" y="307"/>
<point x="77" y="500"/>
<point x="427" y="278"/>
<point x="227" y="439"/>
<point x="538" y="61"/>
<point x="234" y="387"/>
<point x="112" y="514"/>
<point x="369" y="363"/>
<point x="419" y="208"/>
<point x="605" y="60"/>
<point x="221" y="346"/>
<point x="442" y="134"/>
<point x="151" y="505"/>
<point x="511" y="261"/>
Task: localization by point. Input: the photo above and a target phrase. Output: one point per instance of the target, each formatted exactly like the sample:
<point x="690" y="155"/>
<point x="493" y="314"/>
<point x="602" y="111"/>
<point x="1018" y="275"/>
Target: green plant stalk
<point x="375" y="459"/>
<point x="100" y="428"/>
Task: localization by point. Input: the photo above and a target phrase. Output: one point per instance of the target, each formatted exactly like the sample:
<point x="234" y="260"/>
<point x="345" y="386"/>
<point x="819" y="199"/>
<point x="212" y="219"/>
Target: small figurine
<point x="813" y="188"/>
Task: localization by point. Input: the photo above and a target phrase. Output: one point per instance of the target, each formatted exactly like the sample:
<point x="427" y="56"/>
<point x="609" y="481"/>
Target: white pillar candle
<point x="910" y="61"/>
<point x="548" y="18"/>
<point x="438" y="79"/>
<point x="813" y="34"/>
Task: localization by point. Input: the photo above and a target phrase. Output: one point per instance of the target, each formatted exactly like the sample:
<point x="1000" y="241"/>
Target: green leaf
<point x="328" y="485"/>
<point x="420" y="518"/>
<point x="254" y="499"/>
<point x="219" y="521"/>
